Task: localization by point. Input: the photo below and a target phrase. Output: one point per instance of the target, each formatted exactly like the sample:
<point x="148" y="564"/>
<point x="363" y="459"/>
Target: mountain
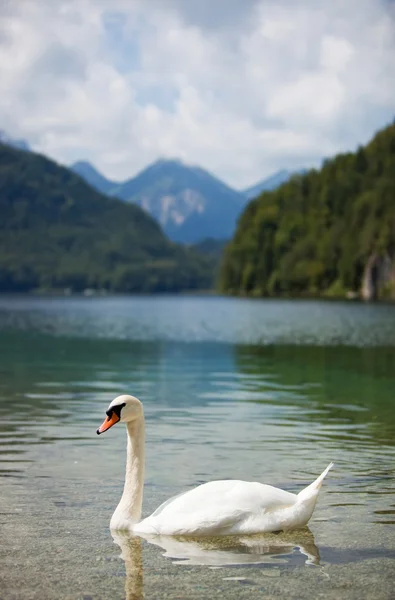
<point x="92" y="176"/>
<point x="327" y="232"/>
<point x="58" y="232"/>
<point x="271" y="183"/>
<point x="189" y="203"/>
<point x="20" y="144"/>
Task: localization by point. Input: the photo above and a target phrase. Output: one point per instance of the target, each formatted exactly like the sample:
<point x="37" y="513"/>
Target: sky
<point x="242" y="88"/>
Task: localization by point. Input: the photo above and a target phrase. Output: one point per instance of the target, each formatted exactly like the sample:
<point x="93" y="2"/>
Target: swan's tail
<point x="313" y="489"/>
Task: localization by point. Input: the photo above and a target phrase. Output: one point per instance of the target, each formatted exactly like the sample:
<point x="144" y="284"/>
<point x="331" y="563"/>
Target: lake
<point x="261" y="390"/>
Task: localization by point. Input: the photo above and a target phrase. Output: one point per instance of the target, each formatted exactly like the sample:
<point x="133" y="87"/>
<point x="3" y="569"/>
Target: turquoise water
<point x="259" y="390"/>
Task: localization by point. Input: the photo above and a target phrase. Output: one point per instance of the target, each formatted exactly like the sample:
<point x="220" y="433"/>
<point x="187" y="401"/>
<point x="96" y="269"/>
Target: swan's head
<point x="122" y="409"/>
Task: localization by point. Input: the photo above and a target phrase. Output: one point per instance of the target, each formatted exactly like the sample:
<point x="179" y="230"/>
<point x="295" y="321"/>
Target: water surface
<point x="259" y="390"/>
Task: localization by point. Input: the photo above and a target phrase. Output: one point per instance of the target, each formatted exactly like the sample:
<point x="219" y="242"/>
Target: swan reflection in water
<point x="269" y="548"/>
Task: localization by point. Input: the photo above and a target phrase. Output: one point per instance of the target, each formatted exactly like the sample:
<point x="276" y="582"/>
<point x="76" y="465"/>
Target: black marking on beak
<point x="115" y="410"/>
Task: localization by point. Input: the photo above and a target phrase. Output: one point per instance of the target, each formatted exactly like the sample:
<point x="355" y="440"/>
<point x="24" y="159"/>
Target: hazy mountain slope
<point x="271" y="183"/>
<point x="189" y="203"/>
<point x="93" y="177"/>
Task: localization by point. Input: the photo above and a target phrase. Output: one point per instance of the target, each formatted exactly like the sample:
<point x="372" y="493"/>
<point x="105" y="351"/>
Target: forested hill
<point x="328" y="232"/>
<point x="58" y="232"/>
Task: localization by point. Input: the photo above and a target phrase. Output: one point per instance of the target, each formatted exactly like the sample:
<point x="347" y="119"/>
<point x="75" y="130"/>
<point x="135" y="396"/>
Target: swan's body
<point x="215" y="508"/>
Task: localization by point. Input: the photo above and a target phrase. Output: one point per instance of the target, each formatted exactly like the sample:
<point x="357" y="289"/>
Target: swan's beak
<point x="107" y="423"/>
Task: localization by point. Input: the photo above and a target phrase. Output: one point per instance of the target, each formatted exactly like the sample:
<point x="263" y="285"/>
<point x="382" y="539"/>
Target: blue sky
<point x="240" y="87"/>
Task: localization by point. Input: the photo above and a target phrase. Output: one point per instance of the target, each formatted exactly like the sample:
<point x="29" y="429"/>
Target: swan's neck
<point x="129" y="508"/>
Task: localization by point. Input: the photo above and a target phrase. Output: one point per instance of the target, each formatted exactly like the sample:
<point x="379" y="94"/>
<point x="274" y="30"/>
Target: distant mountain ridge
<point x="92" y="176"/>
<point x="189" y="203"/>
<point x="271" y="183"/>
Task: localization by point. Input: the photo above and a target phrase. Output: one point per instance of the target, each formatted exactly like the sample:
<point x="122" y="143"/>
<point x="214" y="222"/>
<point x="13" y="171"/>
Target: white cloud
<point x="241" y="87"/>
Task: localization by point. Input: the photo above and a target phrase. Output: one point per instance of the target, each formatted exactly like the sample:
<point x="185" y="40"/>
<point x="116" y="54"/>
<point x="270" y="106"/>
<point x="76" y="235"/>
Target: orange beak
<point x="107" y="423"/>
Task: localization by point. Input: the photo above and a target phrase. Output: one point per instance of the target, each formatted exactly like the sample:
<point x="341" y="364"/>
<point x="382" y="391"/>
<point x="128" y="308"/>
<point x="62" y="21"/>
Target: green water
<point x="258" y="390"/>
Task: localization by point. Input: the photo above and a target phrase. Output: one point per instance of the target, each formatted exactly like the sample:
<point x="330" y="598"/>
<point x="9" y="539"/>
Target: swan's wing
<point x="162" y="506"/>
<point x="214" y="507"/>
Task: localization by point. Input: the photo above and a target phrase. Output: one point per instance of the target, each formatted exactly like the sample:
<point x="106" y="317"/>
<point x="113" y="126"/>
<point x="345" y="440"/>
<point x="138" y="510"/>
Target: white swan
<point x="215" y="508"/>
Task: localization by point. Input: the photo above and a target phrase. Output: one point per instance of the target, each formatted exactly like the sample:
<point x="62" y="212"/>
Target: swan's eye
<point x="115" y="409"/>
